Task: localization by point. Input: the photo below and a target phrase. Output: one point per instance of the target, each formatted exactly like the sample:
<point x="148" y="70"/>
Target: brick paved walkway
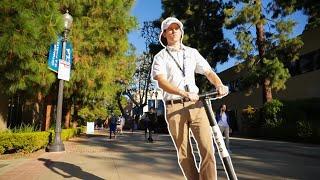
<point x="98" y="157"/>
<point x="131" y="157"/>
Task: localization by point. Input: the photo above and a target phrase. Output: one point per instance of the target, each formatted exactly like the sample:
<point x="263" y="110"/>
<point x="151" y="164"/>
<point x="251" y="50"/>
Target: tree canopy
<point x="309" y="7"/>
<point x="102" y="51"/>
<point x="26" y="31"/>
<point x="266" y="52"/>
<point x="102" y="54"/>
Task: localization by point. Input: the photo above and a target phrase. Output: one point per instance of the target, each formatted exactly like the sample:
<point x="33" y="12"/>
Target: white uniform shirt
<point x="165" y="65"/>
<point x="223" y="122"/>
<point x="194" y="63"/>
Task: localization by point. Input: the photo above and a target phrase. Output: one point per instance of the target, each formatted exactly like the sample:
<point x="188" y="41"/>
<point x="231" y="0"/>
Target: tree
<point x="309" y="7"/>
<point x="267" y="54"/>
<point x="150" y="32"/>
<point x="203" y="22"/>
<point x="141" y="82"/>
<point x="139" y="88"/>
<point x="102" y="53"/>
<point x="26" y="31"/>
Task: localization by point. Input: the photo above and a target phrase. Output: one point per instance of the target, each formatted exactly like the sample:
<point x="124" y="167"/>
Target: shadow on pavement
<point x="69" y="170"/>
<point x="133" y="148"/>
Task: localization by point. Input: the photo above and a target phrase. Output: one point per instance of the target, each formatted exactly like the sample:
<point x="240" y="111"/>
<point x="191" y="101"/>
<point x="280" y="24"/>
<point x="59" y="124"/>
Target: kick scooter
<point x="217" y="135"/>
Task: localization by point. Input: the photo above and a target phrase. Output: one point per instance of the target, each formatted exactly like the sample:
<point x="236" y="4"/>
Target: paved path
<point x="97" y="157"/>
<point x="130" y="157"/>
<point x="261" y="159"/>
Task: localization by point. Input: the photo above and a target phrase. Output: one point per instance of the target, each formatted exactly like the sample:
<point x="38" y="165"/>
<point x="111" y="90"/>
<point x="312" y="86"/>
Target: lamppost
<point x="156" y="101"/>
<point x="58" y="144"/>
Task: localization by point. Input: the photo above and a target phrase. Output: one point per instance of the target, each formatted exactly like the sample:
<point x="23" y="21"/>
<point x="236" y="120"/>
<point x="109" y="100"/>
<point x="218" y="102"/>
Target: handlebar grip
<point x="208" y="95"/>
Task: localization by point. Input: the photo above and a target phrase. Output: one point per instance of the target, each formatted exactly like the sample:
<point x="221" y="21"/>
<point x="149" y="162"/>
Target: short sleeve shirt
<point x="163" y="64"/>
<point x="223" y="122"/>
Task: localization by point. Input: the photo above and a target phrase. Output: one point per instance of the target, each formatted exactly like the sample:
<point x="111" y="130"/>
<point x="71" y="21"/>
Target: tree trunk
<point x="266" y="88"/>
<point x="47" y="113"/>
<point x="75" y="118"/>
<point x="260" y="39"/>
<point x="38" y="111"/>
<point x="68" y="115"/>
<point x="267" y="93"/>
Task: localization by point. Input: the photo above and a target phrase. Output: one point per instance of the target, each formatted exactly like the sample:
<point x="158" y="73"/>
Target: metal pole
<point x="218" y="139"/>
<point x="58" y="145"/>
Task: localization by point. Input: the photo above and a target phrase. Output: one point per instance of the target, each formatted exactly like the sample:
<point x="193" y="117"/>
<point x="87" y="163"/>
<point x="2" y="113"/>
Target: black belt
<point x="178" y="101"/>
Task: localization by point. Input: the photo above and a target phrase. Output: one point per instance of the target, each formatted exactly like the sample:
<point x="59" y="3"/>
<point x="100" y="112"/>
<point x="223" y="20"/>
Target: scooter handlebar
<point x="211" y="95"/>
<point x="208" y="95"/>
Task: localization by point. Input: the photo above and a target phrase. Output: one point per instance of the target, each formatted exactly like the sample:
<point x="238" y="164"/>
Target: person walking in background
<point x="224" y="124"/>
<point x="106" y="122"/>
<point x="113" y="126"/>
<point x="120" y="124"/>
<point x="146" y="123"/>
<point x="150" y="121"/>
<point x="174" y="69"/>
<point x="123" y="122"/>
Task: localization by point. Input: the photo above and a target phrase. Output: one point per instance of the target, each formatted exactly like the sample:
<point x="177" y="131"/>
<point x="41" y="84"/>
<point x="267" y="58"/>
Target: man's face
<point x="173" y="33"/>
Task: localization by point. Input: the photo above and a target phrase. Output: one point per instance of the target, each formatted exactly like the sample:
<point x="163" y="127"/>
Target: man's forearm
<point x="213" y="78"/>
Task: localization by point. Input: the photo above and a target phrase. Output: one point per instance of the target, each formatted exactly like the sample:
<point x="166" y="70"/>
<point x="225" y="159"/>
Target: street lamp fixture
<point x="67" y="18"/>
<point x="58" y="145"/>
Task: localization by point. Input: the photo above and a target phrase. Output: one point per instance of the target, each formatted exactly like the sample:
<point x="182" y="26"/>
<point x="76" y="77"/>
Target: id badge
<point x="186" y="88"/>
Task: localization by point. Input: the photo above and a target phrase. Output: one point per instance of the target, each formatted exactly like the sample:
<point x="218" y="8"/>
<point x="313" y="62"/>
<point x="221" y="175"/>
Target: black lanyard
<point x="183" y="69"/>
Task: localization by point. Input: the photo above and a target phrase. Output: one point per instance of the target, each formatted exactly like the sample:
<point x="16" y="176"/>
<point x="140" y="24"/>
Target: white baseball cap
<point x="166" y="23"/>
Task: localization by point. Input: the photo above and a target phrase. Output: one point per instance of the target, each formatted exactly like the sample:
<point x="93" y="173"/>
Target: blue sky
<point x="144" y="10"/>
<point x="148" y="10"/>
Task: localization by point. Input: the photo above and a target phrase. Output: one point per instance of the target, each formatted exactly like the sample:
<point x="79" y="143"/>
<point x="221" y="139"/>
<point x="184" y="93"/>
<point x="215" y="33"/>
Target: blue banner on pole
<point x="69" y="53"/>
<point x="55" y="54"/>
<point x="64" y="68"/>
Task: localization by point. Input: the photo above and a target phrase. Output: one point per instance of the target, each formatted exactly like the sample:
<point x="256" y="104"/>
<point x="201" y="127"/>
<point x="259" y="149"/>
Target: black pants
<point x="148" y="127"/>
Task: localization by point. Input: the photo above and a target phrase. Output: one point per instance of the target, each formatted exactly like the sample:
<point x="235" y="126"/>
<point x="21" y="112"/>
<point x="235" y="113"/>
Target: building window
<point x="310" y="61"/>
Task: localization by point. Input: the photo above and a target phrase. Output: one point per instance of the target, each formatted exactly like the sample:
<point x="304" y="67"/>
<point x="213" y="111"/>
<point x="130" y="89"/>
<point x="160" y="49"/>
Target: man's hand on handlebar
<point x="222" y="91"/>
<point x="192" y="96"/>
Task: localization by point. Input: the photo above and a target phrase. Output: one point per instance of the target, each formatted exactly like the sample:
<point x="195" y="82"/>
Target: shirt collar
<point x="183" y="47"/>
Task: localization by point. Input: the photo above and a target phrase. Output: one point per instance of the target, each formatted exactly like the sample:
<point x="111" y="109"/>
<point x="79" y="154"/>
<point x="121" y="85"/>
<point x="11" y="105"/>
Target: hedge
<point x="23" y="142"/>
<point x="31" y="141"/>
<point x="299" y="120"/>
<point x="66" y="134"/>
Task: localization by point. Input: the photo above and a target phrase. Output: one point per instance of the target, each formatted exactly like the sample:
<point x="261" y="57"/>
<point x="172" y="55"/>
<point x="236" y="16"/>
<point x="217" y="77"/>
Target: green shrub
<point x="297" y="120"/>
<point x="23" y="142"/>
<point x="250" y="116"/>
<point x="31" y="141"/>
<point x="69" y="133"/>
<point x="66" y="134"/>
<point x="304" y="129"/>
<point x="24" y="128"/>
<point x="271" y="113"/>
<point x="303" y="117"/>
<point x="251" y="121"/>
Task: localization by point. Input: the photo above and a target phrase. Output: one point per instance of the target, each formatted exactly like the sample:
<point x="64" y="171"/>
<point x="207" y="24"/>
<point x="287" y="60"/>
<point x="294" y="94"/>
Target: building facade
<point x="303" y="84"/>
